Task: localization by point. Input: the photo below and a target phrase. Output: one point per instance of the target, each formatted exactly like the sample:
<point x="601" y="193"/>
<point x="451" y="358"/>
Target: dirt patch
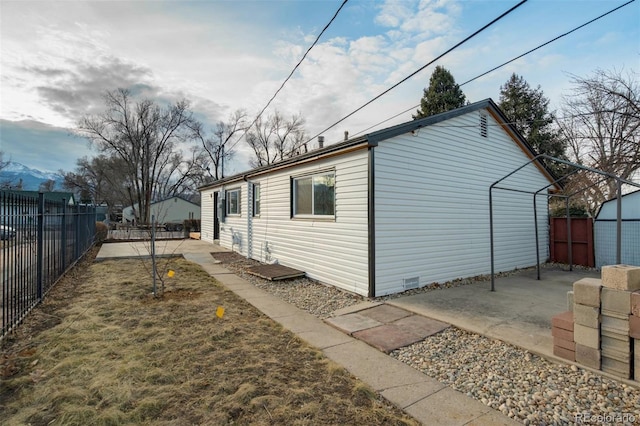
<point x="102" y="350"/>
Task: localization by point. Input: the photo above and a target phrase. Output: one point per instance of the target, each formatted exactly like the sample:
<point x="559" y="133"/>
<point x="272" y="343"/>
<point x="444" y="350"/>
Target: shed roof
<point x="372" y="140"/>
<point x="630" y="210"/>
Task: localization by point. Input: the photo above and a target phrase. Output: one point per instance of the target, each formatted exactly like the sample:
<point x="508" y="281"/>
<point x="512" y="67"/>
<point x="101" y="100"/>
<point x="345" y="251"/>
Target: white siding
<point x="432" y="204"/>
<point x="174" y="209"/>
<point x="206" y="215"/>
<point x="332" y="251"/>
<point x="605" y="232"/>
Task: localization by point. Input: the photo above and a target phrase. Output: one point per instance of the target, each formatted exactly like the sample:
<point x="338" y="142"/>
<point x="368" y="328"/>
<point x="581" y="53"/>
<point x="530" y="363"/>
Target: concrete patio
<point x="519" y="311"/>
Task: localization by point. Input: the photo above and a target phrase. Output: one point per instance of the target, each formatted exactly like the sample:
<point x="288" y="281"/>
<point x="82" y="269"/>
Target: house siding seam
<point x="331" y="251"/>
<point x="432" y="204"/>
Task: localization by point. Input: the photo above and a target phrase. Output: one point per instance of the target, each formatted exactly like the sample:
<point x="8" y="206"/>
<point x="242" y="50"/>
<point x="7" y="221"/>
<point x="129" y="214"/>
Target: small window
<point x="233" y="201"/>
<point x="256" y="200"/>
<point x="314" y="195"/>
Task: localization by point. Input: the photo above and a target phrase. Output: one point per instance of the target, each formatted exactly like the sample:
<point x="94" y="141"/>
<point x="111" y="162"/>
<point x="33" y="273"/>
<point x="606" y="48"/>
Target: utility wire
<point x="246" y="130"/>
<point x="422" y="68"/>
<point x="508" y="62"/>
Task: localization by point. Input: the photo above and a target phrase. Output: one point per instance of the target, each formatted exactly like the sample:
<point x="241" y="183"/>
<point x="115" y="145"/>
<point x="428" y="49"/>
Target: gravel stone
<point x="521" y="385"/>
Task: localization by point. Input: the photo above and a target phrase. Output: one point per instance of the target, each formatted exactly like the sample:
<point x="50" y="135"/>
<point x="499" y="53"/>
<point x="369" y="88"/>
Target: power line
<point x="508" y="62"/>
<point x="422" y="68"/>
<point x="290" y="74"/>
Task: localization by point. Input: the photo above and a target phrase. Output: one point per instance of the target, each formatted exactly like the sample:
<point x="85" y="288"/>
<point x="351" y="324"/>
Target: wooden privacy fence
<point x="581" y="241"/>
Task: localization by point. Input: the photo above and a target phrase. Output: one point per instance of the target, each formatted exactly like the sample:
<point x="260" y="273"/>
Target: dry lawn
<point x="102" y="351"/>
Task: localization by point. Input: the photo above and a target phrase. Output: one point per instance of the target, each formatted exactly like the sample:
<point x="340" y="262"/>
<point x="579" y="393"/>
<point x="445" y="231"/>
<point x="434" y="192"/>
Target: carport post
<point x="493" y="276"/>
<point x="569" y="241"/>
<point x="535" y="219"/>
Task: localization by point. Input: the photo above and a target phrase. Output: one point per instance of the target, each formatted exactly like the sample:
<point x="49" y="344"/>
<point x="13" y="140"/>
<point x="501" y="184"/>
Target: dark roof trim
<point x="318" y="153"/>
<point x="372" y="140"/>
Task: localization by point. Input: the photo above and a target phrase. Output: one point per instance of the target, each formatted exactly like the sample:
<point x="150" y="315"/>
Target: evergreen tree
<point x="443" y="94"/>
<point x="527" y="110"/>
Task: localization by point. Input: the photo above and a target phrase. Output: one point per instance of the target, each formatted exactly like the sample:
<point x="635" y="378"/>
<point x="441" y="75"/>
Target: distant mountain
<point x="31" y="178"/>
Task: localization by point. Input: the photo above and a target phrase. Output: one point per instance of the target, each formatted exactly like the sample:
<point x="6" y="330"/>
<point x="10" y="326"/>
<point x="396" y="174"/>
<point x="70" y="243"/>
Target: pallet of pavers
<point x="634" y="332"/>
<point x="586" y="318"/>
<point x="606" y="315"/>
<point x="562" y="332"/>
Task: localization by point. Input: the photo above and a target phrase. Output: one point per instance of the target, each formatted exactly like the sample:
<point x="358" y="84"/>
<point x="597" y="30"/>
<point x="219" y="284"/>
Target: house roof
<point x="163" y="200"/>
<point x="373" y="138"/>
<point x="49" y="196"/>
<point x="178" y="197"/>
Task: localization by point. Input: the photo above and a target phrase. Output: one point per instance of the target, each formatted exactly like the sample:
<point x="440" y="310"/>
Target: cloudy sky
<point x="58" y="57"/>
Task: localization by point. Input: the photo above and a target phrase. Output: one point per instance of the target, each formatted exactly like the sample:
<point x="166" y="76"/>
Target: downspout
<point x="371" y="222"/>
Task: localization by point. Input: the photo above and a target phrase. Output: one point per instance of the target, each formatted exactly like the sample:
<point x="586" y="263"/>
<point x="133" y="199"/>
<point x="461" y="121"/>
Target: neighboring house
<point x="605" y="231"/>
<point x="398" y="208"/>
<point x="56" y="196"/>
<point x="21" y="208"/>
<point x="170" y="210"/>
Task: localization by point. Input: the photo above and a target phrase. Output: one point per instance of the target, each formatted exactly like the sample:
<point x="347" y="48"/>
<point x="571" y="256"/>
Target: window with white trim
<point x="314" y="195"/>
<point x="256" y="199"/>
<point x="233" y="201"/>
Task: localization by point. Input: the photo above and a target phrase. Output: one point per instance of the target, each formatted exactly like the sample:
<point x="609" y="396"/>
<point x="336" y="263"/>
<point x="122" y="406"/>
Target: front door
<point x="216" y="219"/>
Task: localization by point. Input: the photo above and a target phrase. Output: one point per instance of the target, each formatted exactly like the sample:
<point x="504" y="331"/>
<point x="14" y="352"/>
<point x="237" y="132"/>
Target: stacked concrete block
<point x="570" y="301"/>
<point x="586" y="317"/>
<point x="616" y="342"/>
<point x="621" y="277"/>
<point x="634" y="332"/>
<point x="562" y="332"/>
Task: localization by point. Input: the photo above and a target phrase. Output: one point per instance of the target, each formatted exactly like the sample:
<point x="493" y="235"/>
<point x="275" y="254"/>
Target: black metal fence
<point x="40" y="239"/>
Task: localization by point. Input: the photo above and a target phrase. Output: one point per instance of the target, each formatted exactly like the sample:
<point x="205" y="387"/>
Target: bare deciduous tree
<point x="216" y="147"/>
<point x="602" y="128"/>
<point x="147" y="138"/>
<point x="276" y="139"/>
<point x="47" y="185"/>
<point x="99" y="180"/>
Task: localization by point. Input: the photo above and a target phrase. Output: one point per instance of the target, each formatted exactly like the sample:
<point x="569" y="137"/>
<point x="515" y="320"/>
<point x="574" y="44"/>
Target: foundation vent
<point x="409" y="283"/>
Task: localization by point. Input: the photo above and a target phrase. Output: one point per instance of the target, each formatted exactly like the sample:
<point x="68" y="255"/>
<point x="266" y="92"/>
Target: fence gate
<point x="581" y="241"/>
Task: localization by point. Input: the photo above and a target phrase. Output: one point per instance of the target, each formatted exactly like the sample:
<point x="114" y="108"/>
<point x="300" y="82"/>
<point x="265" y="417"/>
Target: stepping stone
<point x="351" y="323"/>
<point x="387" y="337"/>
<point x="420" y="325"/>
<point x="385" y="313"/>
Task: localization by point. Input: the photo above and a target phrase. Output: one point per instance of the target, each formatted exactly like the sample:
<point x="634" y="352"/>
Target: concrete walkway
<point x="420" y="396"/>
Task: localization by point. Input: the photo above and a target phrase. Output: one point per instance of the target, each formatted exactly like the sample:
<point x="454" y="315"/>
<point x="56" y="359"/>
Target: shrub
<point x="102" y="232"/>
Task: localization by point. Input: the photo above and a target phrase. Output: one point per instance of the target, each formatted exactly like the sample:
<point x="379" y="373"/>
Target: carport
<point x="521" y="315"/>
<point x="573" y="169"/>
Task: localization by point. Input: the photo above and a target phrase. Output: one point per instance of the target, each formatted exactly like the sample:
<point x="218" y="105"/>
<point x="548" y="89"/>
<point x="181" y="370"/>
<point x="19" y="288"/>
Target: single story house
<point x="171" y="210"/>
<point x="605" y="231"/>
<point x="398" y="208"/>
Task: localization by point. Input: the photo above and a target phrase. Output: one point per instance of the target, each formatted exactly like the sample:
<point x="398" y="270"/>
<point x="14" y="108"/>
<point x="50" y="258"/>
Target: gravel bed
<point x="310" y="295"/>
<point x="522" y="385"/>
<point x="519" y="384"/>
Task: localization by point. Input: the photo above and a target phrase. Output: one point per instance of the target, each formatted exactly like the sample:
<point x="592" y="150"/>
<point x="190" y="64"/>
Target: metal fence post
<point x="63" y="248"/>
<point x="40" y="246"/>
<point x="153" y="253"/>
